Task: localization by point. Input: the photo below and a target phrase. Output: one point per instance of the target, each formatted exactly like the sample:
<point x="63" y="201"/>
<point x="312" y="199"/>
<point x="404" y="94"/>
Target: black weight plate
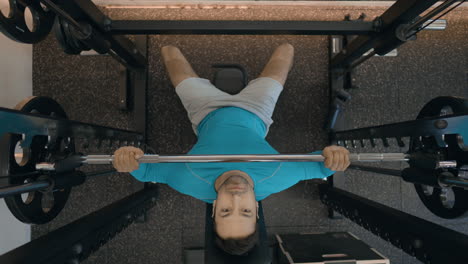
<point x="32" y="210"/>
<point x="14" y="26"/>
<point x="433" y="201"/>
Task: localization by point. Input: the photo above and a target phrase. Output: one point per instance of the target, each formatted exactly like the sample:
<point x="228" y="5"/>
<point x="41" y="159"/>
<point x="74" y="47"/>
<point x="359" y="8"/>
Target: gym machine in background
<point x="439" y="133"/>
<point x="52" y="148"/>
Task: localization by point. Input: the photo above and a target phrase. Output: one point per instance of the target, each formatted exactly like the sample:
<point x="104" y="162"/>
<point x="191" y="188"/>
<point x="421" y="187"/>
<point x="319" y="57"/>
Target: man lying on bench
<point x="231" y="124"/>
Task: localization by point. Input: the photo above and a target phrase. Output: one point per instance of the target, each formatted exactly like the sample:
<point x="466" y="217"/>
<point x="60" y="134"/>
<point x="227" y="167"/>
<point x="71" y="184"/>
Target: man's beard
<point x="236" y="179"/>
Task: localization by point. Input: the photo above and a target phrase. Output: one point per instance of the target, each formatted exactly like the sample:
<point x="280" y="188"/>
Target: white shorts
<point x="200" y="97"/>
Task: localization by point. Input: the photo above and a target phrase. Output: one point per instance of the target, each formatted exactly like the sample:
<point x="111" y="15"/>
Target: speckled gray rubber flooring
<point x="391" y="90"/>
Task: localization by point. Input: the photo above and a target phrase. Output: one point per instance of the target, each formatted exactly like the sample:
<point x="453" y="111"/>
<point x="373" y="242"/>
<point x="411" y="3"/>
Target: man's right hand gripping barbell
<point x="126" y="159"/>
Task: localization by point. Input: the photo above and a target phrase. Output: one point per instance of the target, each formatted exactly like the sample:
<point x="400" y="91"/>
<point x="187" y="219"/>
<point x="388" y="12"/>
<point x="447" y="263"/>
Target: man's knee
<point x="170" y="53"/>
<point x="179" y="70"/>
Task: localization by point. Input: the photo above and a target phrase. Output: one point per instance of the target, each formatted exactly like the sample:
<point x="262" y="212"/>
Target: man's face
<point x="235" y="209"/>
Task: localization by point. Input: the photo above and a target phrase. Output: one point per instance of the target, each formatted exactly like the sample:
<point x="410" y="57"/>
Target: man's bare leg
<point x="279" y="64"/>
<point x="177" y="66"/>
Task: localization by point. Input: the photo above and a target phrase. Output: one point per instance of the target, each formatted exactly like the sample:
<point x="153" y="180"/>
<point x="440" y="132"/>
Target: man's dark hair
<point x="239" y="246"/>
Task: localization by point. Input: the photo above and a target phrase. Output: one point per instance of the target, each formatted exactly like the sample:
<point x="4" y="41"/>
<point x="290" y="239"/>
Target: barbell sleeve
<point x="362" y="157"/>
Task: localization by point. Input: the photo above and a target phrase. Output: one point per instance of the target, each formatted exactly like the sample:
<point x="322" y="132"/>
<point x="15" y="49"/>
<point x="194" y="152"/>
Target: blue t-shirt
<point x="231" y="130"/>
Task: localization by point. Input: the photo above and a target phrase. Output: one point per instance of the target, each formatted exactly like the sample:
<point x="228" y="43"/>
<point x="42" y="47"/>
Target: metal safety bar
<point x="240" y="27"/>
<point x="40" y="185"/>
<point x="74" y="242"/>
<point x="401" y="12"/>
<point x="24" y="188"/>
<point x="423" y="20"/>
<point x="426" y="241"/>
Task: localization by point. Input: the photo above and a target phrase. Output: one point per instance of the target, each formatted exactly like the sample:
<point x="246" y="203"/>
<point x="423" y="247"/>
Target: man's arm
<point x="126" y="160"/>
<point x="336" y="159"/>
